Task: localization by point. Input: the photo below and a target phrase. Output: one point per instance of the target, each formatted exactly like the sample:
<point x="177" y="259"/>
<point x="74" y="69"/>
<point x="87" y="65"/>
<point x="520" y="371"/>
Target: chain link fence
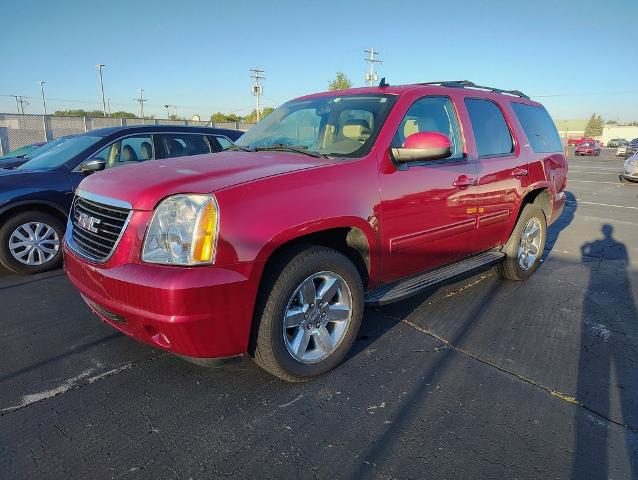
<point x="19" y="130"/>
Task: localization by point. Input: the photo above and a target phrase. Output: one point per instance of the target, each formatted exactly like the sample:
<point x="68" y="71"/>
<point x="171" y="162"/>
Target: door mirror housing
<point x="92" y="165"/>
<point x="423" y="146"/>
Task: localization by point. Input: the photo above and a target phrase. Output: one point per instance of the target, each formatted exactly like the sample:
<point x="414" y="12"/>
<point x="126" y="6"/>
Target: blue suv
<point x="35" y="197"/>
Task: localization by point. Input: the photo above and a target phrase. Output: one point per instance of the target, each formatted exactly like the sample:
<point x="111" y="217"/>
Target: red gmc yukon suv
<point x="333" y="201"/>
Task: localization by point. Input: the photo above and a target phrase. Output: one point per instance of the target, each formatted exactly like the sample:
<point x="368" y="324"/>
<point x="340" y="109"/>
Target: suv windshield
<point x="60" y="153"/>
<point x="340" y="126"/>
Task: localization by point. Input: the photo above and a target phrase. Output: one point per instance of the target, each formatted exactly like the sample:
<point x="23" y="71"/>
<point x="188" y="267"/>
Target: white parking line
<point x="610" y="172"/>
<point x="605" y="204"/>
<point x="570" y="180"/>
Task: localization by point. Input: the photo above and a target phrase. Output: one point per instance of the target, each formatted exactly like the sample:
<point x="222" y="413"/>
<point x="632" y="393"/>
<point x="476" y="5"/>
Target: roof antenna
<point x="382" y="83"/>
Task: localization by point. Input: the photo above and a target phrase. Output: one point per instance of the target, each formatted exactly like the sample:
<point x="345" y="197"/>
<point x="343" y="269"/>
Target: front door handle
<point x="464" y="181"/>
<point x="519" y="172"/>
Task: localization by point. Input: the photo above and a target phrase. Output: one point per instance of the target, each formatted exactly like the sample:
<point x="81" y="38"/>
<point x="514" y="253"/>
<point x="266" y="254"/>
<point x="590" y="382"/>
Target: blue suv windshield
<point x="61" y="153"/>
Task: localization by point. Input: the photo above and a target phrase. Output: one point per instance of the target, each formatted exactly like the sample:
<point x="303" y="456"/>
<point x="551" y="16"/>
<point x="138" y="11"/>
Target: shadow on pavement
<point x="607" y="375"/>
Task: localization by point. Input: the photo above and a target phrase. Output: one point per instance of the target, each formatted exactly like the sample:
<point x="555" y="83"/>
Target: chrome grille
<point x="97" y="227"/>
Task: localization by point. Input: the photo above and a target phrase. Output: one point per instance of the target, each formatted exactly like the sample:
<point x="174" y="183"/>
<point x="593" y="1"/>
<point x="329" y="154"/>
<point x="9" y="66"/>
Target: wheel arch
<point x="354" y="240"/>
<point x="28" y="206"/>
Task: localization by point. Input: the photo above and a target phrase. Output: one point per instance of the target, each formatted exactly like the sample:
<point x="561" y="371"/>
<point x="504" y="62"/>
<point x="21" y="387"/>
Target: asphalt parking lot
<point x="479" y="379"/>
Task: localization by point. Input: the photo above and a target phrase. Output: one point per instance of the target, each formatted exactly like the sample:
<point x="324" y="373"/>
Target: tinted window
<point x="223" y="142"/>
<point x="491" y="133"/>
<point x="60" y="153"/>
<point x="127" y="150"/>
<point x="431" y="114"/>
<point x="539" y="128"/>
<point x="184" y="145"/>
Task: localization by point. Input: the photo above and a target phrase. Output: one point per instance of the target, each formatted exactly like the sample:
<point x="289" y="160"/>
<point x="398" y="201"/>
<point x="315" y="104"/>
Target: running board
<point x="396" y="291"/>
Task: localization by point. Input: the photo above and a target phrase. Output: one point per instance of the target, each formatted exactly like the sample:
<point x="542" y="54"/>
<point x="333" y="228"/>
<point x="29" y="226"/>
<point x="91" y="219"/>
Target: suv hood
<point x="145" y="184"/>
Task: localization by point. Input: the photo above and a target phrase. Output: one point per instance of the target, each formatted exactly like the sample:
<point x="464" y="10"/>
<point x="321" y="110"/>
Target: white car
<point x="621" y="151"/>
<point x="630" y="169"/>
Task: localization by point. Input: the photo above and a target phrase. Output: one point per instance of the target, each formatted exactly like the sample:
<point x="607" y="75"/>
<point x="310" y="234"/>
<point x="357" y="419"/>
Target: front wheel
<point x="525" y="246"/>
<point x="30" y="242"/>
<point x="308" y="314"/>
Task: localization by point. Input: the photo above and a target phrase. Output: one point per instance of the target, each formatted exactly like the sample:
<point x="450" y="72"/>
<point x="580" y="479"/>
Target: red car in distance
<point x="590" y="147"/>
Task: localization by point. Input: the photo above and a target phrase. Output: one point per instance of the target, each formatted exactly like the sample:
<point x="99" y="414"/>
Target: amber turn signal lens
<point x="206" y="229"/>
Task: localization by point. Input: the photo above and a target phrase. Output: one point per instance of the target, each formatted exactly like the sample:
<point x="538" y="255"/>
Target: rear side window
<point x="491" y="132"/>
<point x="539" y="128"/>
<point x="184" y="145"/>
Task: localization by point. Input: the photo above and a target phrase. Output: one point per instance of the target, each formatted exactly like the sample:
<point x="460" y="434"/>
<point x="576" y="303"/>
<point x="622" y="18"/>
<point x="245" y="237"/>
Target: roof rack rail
<point x="468" y="84"/>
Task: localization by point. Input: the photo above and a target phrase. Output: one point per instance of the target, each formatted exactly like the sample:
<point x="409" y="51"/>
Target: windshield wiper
<point x="237" y="147"/>
<point x="291" y="148"/>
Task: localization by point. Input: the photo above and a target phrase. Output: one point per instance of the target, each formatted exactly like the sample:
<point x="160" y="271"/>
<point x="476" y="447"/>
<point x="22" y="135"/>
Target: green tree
<point x="340" y="82"/>
<point x="252" y="117"/>
<point x="122" y="114"/>
<point x="612" y="122"/>
<point x="92" y="113"/>
<point x="219" y="117"/>
<point x="594" y="126"/>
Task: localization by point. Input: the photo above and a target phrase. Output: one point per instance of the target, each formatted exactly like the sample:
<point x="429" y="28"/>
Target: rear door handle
<point x="519" y="172"/>
<point x="464" y="181"/>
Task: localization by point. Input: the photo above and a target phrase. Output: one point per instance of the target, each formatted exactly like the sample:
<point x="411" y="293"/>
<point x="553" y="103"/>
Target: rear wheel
<point x="524" y="249"/>
<point x="308" y="314"/>
<point x="31" y="242"/>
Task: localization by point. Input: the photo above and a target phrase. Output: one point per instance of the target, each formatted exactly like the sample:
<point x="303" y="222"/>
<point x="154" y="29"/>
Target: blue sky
<point x="197" y="54"/>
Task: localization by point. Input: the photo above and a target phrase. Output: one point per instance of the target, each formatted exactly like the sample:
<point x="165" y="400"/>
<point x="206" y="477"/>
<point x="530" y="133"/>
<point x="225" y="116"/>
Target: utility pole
<point x="108" y="104"/>
<point x="141" y="100"/>
<point x="20" y="103"/>
<point x="44" y="102"/>
<point x="371" y="76"/>
<point x="168" y="115"/>
<point x="257" y="89"/>
<point x="100" y="66"/>
<point x="17" y="103"/>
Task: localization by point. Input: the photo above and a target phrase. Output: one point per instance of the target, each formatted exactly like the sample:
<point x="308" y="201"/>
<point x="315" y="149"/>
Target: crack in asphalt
<point x="74" y="383"/>
<point x="554" y="393"/>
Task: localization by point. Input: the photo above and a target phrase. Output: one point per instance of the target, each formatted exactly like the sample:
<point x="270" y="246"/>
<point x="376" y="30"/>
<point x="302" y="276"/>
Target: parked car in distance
<point x="629" y="149"/>
<point x="35" y="197"/>
<point x="630" y="169"/>
<point x="591" y="147"/>
<point x="333" y="201"/>
<point x="15" y="162"/>
<point x="616" y="142"/>
<point x="573" y="141"/>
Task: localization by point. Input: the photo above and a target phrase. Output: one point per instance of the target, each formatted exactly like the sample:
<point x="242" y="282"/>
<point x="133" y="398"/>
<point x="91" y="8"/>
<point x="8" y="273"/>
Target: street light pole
<point x="44" y="102"/>
<point x="99" y="67"/>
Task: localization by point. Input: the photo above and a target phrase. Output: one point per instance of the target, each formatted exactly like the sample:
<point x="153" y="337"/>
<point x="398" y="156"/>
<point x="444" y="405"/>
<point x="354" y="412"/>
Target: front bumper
<point x="199" y="312"/>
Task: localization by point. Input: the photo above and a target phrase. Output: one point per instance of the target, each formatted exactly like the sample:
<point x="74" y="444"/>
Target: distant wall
<point x="19" y="130"/>
<point x="619" y="131"/>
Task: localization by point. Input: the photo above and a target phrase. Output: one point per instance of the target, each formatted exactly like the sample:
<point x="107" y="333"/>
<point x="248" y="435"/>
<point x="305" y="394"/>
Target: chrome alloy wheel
<point x="529" y="247"/>
<point x="317" y="317"/>
<point x="34" y="243"/>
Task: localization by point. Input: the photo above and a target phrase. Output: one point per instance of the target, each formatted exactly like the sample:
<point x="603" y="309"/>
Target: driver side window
<point x="431" y="114"/>
<point x="134" y="149"/>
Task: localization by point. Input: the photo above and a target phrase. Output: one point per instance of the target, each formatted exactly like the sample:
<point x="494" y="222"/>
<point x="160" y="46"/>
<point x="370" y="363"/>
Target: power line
<point x="141" y="100"/>
<point x="257" y="89"/>
<point x="20" y="103"/>
<point x="371" y="76"/>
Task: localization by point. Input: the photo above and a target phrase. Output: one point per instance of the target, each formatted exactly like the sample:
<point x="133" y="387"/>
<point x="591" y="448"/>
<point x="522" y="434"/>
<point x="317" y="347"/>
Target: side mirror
<point x="423" y="146"/>
<point x="92" y="165"/>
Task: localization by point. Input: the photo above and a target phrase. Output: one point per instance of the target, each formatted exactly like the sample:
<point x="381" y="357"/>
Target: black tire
<point x="510" y="268"/>
<point x="267" y="346"/>
<point x="8" y="260"/>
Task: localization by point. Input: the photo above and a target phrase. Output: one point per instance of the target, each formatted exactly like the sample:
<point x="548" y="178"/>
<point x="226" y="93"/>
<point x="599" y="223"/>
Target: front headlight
<point x="183" y="231"/>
